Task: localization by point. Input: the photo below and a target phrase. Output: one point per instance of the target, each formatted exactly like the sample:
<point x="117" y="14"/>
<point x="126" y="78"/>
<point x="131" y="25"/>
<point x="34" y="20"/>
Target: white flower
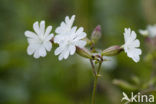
<point x="150" y="31"/>
<point x="132" y="45"/>
<point x="68" y="38"/>
<point x="39" y="41"/>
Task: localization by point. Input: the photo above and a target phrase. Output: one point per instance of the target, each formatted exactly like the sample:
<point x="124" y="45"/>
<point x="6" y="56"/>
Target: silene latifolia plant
<point x="71" y="39"/>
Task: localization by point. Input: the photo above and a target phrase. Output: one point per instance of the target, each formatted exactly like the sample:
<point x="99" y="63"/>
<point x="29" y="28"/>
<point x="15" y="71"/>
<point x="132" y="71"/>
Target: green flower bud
<point x="83" y="52"/>
<point x="111" y="51"/>
<point x="96" y="34"/>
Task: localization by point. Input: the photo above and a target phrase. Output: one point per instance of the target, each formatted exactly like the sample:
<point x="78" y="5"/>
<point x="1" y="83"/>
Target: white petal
<point x="33" y="41"/>
<point x="138" y="51"/>
<point x="67" y="19"/>
<point x="133" y="35"/>
<point x="49" y="37"/>
<point x="66" y="54"/>
<point x="48" y="45"/>
<point x="42" y="27"/>
<point x="30" y="50"/>
<point x="133" y="44"/>
<point x="73" y="30"/>
<point x="71" y="20"/>
<point x="134" y="54"/>
<point x="58" y="50"/>
<point x="136" y="58"/>
<point x="36" y="54"/>
<point x="81" y="43"/>
<point x="36" y="27"/>
<point x="72" y="49"/>
<point x="42" y="51"/>
<point x="61" y="28"/>
<point x="48" y="30"/>
<point x="30" y="34"/>
<point x="61" y="56"/>
<point x="79" y="31"/>
<point x="152" y="30"/>
<point x="127" y="34"/>
<point x="81" y="36"/>
<point x="136" y="43"/>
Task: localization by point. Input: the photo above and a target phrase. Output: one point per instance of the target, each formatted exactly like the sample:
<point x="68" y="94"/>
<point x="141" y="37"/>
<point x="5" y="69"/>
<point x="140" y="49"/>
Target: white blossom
<point x="131" y="46"/>
<point x="68" y="38"/>
<point x="150" y="31"/>
<point x="39" y="41"/>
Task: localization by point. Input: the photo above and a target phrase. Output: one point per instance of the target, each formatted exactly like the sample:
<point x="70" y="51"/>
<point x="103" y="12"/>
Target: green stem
<point x="93" y="67"/>
<point x="95" y="83"/>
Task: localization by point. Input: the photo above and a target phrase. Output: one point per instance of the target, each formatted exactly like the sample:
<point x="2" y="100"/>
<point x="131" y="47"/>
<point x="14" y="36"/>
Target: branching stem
<point x="95" y="83"/>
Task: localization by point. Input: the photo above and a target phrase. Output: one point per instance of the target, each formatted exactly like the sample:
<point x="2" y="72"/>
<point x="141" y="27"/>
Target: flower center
<point x="41" y="38"/>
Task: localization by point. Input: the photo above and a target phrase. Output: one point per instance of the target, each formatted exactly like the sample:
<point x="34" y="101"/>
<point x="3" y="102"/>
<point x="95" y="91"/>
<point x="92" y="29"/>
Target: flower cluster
<point x="67" y="38"/>
<point x="71" y="39"/>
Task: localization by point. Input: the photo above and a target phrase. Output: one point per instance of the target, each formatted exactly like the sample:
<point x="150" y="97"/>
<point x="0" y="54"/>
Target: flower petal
<point x="58" y="50"/>
<point x="42" y="27"/>
<point x="79" y="31"/>
<point x="48" y="45"/>
<point x="30" y="50"/>
<point x="61" y="56"/>
<point x="42" y="51"/>
<point x="48" y="30"/>
<point x="72" y="49"/>
<point x="30" y="34"/>
<point x="133" y="35"/>
<point x="36" y="27"/>
<point x="81" y="43"/>
<point x="127" y="34"/>
<point x="49" y="37"/>
<point x="66" y="53"/>
<point x="36" y="54"/>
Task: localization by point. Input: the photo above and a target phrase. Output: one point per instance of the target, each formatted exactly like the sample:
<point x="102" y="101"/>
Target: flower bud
<point x="83" y="52"/>
<point x="111" y="51"/>
<point x="96" y="34"/>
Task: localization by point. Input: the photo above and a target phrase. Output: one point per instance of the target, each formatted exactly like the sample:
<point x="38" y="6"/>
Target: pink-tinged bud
<point x="111" y="51"/>
<point x="83" y="52"/>
<point x="96" y="34"/>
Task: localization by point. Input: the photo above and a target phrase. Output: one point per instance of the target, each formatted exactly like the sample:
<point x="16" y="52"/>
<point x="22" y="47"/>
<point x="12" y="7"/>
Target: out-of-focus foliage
<point x="25" y="80"/>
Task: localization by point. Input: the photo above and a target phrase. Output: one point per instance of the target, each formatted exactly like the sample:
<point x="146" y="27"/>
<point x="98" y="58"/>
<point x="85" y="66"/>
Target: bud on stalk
<point x="111" y="51"/>
<point x="83" y="52"/>
<point x="96" y="34"/>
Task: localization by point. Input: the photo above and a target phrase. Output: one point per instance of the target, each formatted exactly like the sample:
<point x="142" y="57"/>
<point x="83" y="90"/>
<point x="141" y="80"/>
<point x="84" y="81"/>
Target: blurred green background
<point x="25" y="80"/>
